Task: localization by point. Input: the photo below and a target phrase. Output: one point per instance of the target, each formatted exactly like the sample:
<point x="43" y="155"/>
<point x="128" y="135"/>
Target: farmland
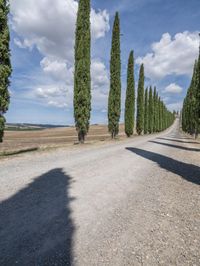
<point x="42" y="138"/>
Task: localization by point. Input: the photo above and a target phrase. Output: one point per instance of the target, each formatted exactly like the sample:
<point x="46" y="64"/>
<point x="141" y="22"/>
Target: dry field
<point x="16" y="141"/>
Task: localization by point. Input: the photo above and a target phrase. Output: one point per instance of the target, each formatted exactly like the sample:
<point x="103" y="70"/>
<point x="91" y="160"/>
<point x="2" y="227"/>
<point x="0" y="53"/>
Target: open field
<point x="16" y="141"/>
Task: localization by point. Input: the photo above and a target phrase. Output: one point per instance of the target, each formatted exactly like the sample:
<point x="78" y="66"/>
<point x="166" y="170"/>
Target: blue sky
<point x="163" y="35"/>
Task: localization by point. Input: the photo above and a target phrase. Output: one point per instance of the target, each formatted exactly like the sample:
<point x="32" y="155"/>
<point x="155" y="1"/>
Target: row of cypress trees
<point x="191" y="104"/>
<point x="156" y="116"/>
<point x="152" y="114"/>
<point x="82" y="81"/>
<point x="5" y="64"/>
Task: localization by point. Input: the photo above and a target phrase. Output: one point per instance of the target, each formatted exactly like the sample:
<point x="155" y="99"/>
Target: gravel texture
<point x="135" y="202"/>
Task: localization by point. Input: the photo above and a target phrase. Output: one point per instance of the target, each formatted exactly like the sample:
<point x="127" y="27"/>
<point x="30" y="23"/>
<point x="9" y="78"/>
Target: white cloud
<point x="59" y="95"/>
<point x="99" y="74"/>
<point x="171" y="55"/>
<point x="50" y="27"/>
<point x="173" y="88"/>
<point x="57" y="104"/>
<point x="166" y="99"/>
<point x="100" y="84"/>
<point x="55" y="95"/>
<point x="99" y="23"/>
<point x="50" y="92"/>
<point x="57" y="69"/>
<point x="177" y="106"/>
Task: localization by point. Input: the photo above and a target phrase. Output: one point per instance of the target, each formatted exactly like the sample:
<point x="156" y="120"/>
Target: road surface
<point x="132" y="202"/>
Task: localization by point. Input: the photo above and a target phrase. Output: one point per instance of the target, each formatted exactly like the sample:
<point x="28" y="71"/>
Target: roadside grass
<point x="16" y="152"/>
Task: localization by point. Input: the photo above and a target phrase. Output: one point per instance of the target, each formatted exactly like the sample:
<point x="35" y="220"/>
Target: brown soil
<point x="56" y="137"/>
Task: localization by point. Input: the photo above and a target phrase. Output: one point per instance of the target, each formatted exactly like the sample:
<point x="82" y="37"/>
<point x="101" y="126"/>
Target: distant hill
<point x="26" y="126"/>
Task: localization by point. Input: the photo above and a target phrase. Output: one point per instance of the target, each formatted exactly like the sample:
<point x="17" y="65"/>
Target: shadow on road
<point x="174" y="146"/>
<point x="189" y="172"/>
<point x="178" y="136"/>
<point x="181" y="141"/>
<point x="35" y="224"/>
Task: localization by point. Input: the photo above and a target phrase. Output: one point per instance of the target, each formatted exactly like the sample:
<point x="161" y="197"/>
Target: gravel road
<point x="132" y="202"/>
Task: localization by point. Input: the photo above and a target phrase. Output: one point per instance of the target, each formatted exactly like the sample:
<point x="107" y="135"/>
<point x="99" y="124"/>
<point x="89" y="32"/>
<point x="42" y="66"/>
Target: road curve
<point x="134" y="202"/>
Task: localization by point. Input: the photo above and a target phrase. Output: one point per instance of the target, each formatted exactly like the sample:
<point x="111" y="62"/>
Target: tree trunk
<point x="81" y="137"/>
<point x="196" y="134"/>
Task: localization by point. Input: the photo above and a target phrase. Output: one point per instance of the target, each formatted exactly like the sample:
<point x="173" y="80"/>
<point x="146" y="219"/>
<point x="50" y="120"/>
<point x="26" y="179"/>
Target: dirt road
<point x="135" y="202"/>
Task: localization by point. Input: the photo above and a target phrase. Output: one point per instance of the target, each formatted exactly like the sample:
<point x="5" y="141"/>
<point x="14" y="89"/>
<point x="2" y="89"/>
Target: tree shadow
<point x="189" y="172"/>
<point x="179" y="137"/>
<point x="175" y="146"/>
<point x="178" y="140"/>
<point x="35" y="224"/>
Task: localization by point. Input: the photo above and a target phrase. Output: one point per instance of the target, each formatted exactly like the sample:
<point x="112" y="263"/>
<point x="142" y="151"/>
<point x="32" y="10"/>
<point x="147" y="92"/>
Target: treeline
<point x="191" y="104"/>
<point x="156" y="116"/>
<point x="152" y="114"/>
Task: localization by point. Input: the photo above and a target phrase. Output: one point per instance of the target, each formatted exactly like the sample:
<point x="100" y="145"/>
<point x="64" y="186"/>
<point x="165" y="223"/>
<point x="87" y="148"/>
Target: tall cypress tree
<point x="197" y="95"/>
<point x="159" y="115"/>
<point x="162" y="116"/>
<point x="5" y="64"/>
<point x="190" y="117"/>
<point x="140" y="102"/>
<point x="151" y="114"/>
<point x="130" y="98"/>
<point x="82" y="77"/>
<point x="114" y="100"/>
<point x="155" y="110"/>
<point x="146" y="111"/>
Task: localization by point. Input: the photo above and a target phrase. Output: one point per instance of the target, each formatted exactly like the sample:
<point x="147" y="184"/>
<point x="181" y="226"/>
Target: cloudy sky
<point x="163" y="35"/>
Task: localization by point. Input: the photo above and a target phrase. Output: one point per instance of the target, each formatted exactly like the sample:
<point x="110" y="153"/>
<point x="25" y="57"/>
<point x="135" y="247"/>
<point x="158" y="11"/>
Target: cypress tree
<point x="162" y="116"/>
<point x="130" y="98"/>
<point x="155" y="110"/>
<point x="146" y="111"/>
<point x="197" y="95"/>
<point x="114" y="100"/>
<point x="159" y="115"/>
<point x="82" y="77"/>
<point x="191" y="102"/>
<point x="140" y="102"/>
<point x="151" y="114"/>
<point x="190" y="111"/>
<point x="5" y="64"/>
